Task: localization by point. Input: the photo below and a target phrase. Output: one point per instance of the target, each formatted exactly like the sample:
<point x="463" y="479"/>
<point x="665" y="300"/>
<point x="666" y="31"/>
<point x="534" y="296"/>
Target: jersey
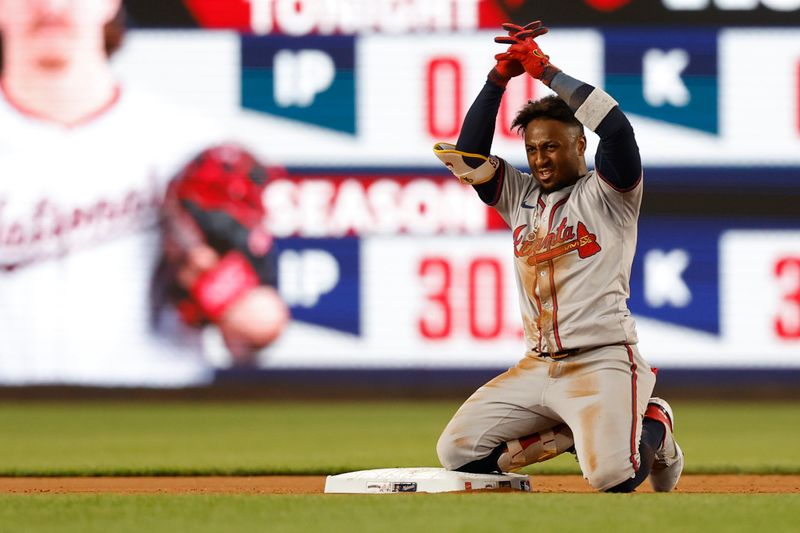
<point x="573" y="250"/>
<point x="78" y="243"/>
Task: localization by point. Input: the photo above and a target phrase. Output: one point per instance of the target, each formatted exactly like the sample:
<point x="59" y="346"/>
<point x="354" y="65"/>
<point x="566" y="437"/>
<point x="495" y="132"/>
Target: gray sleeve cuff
<point x="565" y="86"/>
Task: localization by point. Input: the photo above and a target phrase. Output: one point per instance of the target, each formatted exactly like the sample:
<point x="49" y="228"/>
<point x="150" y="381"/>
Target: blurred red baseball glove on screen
<point x="218" y="248"/>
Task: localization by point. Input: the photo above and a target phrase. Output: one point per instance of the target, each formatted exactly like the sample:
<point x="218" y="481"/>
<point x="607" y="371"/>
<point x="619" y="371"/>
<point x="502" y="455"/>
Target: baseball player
<point x="582" y="385"/>
<point x="84" y="165"/>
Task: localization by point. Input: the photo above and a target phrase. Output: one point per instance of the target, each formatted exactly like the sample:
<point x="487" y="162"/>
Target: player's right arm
<point x="470" y="158"/>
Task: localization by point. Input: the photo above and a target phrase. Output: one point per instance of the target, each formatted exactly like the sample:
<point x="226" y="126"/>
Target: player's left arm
<point x="617" y="160"/>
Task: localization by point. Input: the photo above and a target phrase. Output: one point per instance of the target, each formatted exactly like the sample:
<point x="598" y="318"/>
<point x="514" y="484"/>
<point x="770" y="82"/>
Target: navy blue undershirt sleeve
<point x="617" y="159"/>
<point x="477" y="133"/>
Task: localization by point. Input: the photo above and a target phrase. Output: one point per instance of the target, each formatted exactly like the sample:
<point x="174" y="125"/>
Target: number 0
<point x="444" y="97"/>
<point x="485" y="298"/>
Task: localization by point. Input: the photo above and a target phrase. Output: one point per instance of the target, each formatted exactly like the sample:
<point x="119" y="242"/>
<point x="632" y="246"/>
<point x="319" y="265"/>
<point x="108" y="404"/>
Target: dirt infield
<point x="315" y="484"/>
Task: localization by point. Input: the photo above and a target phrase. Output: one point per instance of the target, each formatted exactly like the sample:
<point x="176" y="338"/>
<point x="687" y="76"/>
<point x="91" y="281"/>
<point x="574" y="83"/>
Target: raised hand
<point x="508" y="67"/>
<point x="532" y="29"/>
<point x="524" y="50"/>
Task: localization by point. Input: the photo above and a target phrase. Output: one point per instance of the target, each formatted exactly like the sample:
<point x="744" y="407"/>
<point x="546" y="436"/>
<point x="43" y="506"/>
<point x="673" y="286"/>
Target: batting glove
<point x="524" y="50"/>
<point x="505" y="69"/>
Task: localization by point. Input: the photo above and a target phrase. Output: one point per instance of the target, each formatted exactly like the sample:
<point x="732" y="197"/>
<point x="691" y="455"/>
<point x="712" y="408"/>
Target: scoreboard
<point x="386" y="261"/>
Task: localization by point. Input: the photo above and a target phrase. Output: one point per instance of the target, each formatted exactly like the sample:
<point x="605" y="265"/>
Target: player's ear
<point x="580" y="144"/>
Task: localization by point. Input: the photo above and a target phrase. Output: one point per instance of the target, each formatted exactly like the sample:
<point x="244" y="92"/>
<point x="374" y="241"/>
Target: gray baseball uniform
<point x="573" y="249"/>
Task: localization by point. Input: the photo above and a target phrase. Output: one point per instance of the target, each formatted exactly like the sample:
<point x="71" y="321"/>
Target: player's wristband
<point x="595" y="108"/>
<point x="549" y="73"/>
<point x="498" y="78"/>
<point x="216" y="289"/>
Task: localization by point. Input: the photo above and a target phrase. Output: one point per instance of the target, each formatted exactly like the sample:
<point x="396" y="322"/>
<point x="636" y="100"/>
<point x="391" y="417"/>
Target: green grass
<point x="322" y="438"/>
<point x="223" y="438"/>
<point x="261" y="438"/>
<point x="409" y="512"/>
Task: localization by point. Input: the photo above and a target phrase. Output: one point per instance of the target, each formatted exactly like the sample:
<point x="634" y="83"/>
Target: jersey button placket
<point x="541" y="290"/>
<point x="543" y="282"/>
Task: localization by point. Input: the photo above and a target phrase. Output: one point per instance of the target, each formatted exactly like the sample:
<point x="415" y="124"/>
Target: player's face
<point x="51" y="32"/>
<point x="555" y="153"/>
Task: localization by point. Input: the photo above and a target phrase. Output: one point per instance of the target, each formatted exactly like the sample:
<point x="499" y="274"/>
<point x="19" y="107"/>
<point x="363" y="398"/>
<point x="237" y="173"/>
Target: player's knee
<point x="629" y="485"/>
<point x="609" y="480"/>
<point x="451" y="456"/>
<point x="484" y="465"/>
<point x="458" y="454"/>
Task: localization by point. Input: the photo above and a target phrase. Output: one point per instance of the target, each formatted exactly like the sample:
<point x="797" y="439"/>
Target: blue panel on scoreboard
<point x="675" y="274"/>
<point x="669" y="75"/>
<point x="310" y="79"/>
<point x="320" y="281"/>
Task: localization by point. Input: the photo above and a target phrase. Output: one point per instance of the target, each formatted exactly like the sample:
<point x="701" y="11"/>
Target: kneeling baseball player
<point x="582" y="385"/>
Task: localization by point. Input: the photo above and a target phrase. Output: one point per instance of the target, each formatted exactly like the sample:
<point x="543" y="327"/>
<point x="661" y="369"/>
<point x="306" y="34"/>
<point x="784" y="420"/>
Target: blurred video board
<point x="386" y="261"/>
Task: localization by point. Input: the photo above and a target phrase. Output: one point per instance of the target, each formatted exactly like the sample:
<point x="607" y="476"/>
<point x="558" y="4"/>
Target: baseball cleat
<point x="668" y="463"/>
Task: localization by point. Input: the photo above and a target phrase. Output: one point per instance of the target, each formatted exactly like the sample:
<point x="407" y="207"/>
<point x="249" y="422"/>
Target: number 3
<point x="437" y="270"/>
<point x="787" y="323"/>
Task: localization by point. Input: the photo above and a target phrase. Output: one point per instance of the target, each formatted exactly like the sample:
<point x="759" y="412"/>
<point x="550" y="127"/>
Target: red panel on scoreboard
<point x="304" y="17"/>
<point x="231" y="14"/>
<point x="323" y="205"/>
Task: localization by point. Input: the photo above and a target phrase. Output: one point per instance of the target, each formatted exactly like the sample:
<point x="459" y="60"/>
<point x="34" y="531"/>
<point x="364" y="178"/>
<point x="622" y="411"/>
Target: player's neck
<point x="66" y="96"/>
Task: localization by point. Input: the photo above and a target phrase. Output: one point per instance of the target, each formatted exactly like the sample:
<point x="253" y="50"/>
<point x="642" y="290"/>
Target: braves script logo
<point x="560" y="241"/>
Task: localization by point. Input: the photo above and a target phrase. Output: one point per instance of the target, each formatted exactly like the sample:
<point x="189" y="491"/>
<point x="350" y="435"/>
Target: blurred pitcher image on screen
<point x="85" y="162"/>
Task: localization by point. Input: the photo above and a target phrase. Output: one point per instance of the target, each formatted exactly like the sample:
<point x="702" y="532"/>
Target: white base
<point x="393" y="480"/>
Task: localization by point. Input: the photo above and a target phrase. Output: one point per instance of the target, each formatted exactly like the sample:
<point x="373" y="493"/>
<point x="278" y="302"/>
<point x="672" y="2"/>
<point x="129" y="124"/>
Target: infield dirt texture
<point x="717" y="484"/>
